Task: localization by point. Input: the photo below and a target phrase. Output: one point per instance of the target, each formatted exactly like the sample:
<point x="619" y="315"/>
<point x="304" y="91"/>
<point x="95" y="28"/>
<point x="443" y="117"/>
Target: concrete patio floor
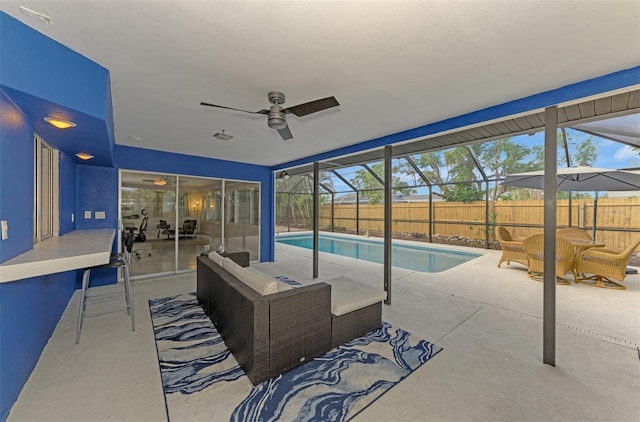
<point x="487" y="319"/>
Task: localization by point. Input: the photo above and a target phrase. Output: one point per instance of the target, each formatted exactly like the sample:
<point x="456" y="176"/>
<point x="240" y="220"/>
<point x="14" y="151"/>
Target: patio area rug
<point x="202" y="380"/>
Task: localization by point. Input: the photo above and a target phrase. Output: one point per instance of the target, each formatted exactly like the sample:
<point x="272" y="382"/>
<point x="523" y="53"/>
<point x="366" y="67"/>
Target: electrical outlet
<point x="5" y="230"/>
<point x="100" y="215"/>
<point x="87" y="215"/>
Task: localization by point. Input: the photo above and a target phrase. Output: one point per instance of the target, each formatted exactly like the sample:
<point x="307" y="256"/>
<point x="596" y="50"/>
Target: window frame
<point x="45" y="190"/>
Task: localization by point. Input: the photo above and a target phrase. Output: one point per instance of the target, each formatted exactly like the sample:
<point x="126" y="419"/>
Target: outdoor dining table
<point x="580" y="245"/>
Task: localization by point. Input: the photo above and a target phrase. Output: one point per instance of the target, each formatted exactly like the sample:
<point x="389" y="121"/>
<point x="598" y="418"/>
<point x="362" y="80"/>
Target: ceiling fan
<point x="276" y="113"/>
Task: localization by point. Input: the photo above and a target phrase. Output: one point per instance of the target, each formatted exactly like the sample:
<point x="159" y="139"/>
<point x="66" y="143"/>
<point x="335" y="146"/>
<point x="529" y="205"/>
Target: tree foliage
<point x="372" y="189"/>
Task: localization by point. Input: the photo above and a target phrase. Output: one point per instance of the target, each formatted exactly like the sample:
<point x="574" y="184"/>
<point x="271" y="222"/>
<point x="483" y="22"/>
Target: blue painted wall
<point x="29" y="312"/>
<point x="67" y="194"/>
<point x="16" y="178"/>
<point x="37" y="73"/>
<point x="29" y="309"/>
<point x="42" y="67"/>
<point x="45" y="78"/>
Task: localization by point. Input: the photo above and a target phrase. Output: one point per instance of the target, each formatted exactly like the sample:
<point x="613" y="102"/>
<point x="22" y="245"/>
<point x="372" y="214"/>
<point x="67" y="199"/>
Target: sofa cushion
<point x="280" y="285"/>
<point x="231" y="266"/>
<point x="349" y="295"/>
<point x="216" y="257"/>
<point x="259" y="282"/>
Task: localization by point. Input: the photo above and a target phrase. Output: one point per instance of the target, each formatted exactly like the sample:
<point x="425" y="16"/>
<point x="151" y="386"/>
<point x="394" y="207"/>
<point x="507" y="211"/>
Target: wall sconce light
<point x="283" y="175"/>
<point x="59" y="123"/>
<point x="84" y="156"/>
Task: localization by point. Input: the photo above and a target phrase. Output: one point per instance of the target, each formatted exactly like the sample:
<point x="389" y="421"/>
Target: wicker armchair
<point x="605" y="265"/>
<point x="512" y="250"/>
<point x="534" y="247"/>
<point x="574" y="233"/>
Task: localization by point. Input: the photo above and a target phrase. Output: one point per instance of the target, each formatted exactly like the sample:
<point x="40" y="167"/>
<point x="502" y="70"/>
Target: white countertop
<point x="72" y="251"/>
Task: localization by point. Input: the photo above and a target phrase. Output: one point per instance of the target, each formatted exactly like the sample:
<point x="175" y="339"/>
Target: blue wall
<point x="67" y="194"/>
<point x="16" y="177"/>
<point x="31" y="308"/>
<point x="29" y="312"/>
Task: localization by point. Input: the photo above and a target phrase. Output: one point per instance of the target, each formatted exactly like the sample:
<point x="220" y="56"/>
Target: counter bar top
<point x="74" y="250"/>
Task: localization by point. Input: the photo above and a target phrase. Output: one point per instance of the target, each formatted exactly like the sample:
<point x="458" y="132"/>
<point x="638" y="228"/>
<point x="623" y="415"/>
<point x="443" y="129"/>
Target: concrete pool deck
<point x="487" y="319"/>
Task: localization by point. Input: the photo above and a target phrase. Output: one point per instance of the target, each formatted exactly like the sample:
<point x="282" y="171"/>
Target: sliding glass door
<point x="175" y="218"/>
<point x="242" y="217"/>
<point x="198" y="219"/>
<point x="147" y="212"/>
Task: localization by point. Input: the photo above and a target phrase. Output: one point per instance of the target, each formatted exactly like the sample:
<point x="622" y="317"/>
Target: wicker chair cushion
<point x="348" y="295"/>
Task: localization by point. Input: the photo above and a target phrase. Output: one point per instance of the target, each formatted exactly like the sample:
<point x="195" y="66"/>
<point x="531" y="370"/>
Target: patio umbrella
<point x="581" y="178"/>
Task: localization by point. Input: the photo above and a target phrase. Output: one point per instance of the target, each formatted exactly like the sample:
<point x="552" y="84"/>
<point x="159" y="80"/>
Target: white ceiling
<point x="393" y="65"/>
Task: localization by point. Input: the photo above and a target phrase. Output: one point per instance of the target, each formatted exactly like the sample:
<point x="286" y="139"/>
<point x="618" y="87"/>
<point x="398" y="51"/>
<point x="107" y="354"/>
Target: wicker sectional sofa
<point x="272" y="328"/>
<point x="270" y="334"/>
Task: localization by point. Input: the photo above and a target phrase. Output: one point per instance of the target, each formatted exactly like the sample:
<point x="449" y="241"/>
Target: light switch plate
<point x="5" y="230"/>
<point x="100" y="215"/>
<point x="87" y="215"/>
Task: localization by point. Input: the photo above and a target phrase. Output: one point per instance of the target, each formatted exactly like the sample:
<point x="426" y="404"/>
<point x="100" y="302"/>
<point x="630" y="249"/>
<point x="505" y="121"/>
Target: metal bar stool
<point x="117" y="260"/>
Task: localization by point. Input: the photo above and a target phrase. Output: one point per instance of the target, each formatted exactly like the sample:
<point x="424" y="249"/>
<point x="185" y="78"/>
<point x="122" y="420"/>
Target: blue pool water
<point x="417" y="258"/>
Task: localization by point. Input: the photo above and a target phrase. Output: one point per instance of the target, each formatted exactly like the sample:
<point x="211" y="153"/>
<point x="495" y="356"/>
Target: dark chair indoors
<point x="188" y="229"/>
<point x="107" y="293"/>
<point x="162" y="227"/>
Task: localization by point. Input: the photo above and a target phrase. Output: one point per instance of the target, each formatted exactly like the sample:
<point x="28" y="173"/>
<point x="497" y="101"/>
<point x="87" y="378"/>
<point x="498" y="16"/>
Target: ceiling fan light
<point x="275" y="118"/>
<point x="277" y="123"/>
<point x="59" y="123"/>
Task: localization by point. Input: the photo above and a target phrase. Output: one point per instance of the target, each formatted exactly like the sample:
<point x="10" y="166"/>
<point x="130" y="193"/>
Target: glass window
<point x="44" y="178"/>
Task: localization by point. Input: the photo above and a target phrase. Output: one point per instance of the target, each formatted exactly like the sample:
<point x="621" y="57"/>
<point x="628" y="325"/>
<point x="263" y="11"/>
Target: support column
<point x="388" y="198"/>
<point x="333" y="225"/>
<point x="550" y="206"/>
<point x="357" y="212"/>
<point x="316" y="215"/>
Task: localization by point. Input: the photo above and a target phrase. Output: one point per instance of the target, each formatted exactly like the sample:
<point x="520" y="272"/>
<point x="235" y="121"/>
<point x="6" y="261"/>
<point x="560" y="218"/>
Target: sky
<point x="611" y="155"/>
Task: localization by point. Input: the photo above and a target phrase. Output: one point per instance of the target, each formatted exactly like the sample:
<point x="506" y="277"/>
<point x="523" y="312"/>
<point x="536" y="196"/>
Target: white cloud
<point x="626" y="154"/>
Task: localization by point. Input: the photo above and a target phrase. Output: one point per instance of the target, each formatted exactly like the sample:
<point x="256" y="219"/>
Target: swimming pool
<point x="417" y="258"/>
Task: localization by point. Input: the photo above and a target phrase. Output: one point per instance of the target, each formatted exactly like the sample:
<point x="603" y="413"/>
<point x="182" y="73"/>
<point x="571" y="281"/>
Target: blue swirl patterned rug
<point x="202" y="380"/>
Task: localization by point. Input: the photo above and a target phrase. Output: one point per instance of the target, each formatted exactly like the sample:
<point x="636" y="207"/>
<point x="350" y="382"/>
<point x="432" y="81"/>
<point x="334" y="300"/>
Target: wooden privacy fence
<point x="617" y="223"/>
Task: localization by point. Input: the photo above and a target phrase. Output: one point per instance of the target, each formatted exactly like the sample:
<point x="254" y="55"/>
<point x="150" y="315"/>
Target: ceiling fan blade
<point x="312" y="106"/>
<point x="285" y="133"/>
<point x="235" y="109"/>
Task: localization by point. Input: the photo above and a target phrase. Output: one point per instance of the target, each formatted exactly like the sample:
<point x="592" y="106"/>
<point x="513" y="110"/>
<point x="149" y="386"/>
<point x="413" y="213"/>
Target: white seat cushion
<point x="280" y="285"/>
<point x="349" y="295"/>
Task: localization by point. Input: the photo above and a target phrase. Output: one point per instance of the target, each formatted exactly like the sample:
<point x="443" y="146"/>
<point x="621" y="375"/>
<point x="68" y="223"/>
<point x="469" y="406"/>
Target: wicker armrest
<point x="598" y="251"/>
<point x="513" y="245"/>
<point x="602" y="256"/>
